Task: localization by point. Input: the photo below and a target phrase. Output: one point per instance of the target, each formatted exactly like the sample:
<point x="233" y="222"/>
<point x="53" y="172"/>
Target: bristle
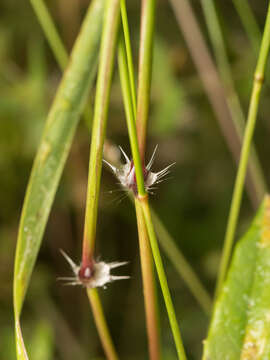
<point x="116" y="264"/>
<point x="115" y="277"/>
<point x="125" y="155"/>
<point x="113" y="168"/>
<point x="149" y="165"/>
<point x="71" y="263"/>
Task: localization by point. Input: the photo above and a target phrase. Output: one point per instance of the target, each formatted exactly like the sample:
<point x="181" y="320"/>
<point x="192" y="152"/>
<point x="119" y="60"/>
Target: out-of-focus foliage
<point x="168" y="110"/>
<point x="193" y="204"/>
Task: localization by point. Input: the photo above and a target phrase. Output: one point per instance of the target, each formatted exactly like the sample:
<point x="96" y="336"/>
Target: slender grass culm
<point x="142" y="201"/>
<point x="141" y="197"/>
<point x="149" y="288"/>
<point x="91" y="273"/>
<point x="144" y="86"/>
<point x="150" y="300"/>
<point x="221" y="102"/>
<point x="234" y="104"/>
<point x="241" y="173"/>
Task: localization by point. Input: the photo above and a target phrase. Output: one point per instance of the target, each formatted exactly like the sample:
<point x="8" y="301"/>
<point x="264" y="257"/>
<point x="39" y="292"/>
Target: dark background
<point x="193" y="203"/>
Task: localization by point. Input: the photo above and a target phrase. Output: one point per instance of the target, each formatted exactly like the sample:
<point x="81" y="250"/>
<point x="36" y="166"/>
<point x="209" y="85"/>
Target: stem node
<point x="258" y="78"/>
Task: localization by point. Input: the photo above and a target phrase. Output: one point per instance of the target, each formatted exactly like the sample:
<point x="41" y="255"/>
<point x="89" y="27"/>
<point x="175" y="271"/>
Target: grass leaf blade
<point x="240" y="326"/>
<point x="20" y="348"/>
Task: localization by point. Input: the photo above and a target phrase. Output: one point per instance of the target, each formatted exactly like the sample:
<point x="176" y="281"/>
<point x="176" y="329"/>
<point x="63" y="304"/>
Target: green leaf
<point x="52" y="153"/>
<point x="240" y="327"/>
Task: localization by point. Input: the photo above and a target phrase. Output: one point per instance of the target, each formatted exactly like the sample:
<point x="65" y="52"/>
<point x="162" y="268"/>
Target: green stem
<point x="210" y="79"/>
<point x="107" y="54"/>
<point x="233" y="100"/>
<point x="149" y="288"/>
<point x="101" y="324"/>
<point x="142" y="198"/>
<point x="51" y="33"/>
<point x="162" y="278"/>
<point x="145" y="70"/>
<point x="241" y="173"/>
<point x="126" y="91"/>
<point x="128" y="52"/>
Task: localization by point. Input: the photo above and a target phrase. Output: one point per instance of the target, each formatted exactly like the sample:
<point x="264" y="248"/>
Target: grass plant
<point x="176" y="256"/>
<point x="241" y="173"/>
<point x="104" y="34"/>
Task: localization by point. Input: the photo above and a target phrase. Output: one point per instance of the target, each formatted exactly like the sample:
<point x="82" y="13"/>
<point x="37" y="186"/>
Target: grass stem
<point x="211" y="82"/>
<point x="237" y="113"/>
<point x="101" y="324"/>
<point x="233" y="100"/>
<point x="148" y="277"/>
<point x="142" y="198"/>
<point x="162" y="278"/>
<point x="241" y="173"/>
<point x="130" y="117"/>
<point x="107" y="54"/>
<point x="145" y="70"/>
<point x="149" y="288"/>
<point x="128" y="52"/>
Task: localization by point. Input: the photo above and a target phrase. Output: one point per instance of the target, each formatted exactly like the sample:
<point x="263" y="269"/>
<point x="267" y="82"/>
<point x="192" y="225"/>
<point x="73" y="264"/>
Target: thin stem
<point x="162" y="278"/>
<point x="210" y="80"/>
<point x="145" y="70"/>
<point x="51" y="33"/>
<point x="126" y="91"/>
<point x="142" y="196"/>
<point x="233" y="100"/>
<point x="149" y="288"/>
<point x="101" y="324"/>
<point x="181" y="265"/>
<point x="107" y="53"/>
<point x="241" y="173"/>
<point x="128" y="52"/>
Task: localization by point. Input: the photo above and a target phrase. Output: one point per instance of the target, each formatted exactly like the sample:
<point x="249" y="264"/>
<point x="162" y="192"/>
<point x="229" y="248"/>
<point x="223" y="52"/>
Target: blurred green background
<point x="193" y="203"/>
